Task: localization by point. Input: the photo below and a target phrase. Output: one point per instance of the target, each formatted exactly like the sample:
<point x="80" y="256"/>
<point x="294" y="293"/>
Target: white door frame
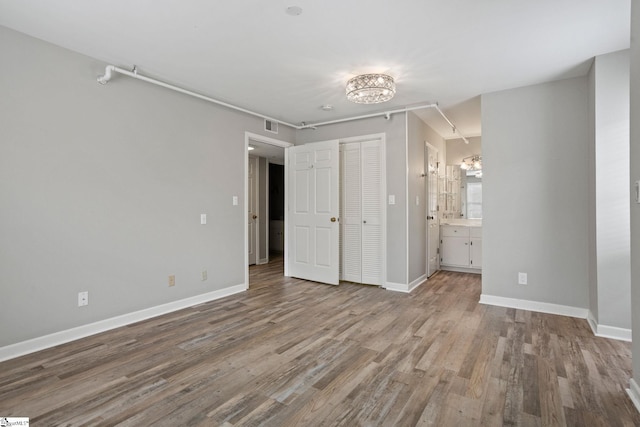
<point x="428" y="147"/>
<point x="256" y="210"/>
<point x="265" y="140"/>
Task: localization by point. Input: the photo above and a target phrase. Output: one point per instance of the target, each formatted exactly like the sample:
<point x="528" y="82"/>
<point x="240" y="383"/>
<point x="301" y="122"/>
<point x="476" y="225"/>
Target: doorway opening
<point x="264" y="201"/>
<point x="276" y="210"/>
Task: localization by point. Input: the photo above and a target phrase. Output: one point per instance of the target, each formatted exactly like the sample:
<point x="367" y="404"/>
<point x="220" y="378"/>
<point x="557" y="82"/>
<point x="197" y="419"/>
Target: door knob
<point x="333" y="219"/>
<point x="429" y="217"/>
<point x="255" y="216"/>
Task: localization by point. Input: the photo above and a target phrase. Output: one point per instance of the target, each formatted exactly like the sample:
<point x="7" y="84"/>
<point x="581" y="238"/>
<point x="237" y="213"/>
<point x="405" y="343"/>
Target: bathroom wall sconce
<point x="472" y="163"/>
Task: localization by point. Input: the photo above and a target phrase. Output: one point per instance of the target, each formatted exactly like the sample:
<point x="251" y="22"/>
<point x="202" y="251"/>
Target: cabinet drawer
<point x="453" y="231"/>
<point x="476" y="232"/>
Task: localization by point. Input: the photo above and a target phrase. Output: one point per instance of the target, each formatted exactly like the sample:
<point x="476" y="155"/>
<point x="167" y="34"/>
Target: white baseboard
<point x="592" y="323"/>
<point x="613" y="332"/>
<point x="263" y="261"/>
<point x="401" y="287"/>
<point x="397" y="287"/>
<point x="36" y="344"/>
<point x="542" y="307"/>
<point x="634" y="393"/>
<point x="605" y="331"/>
<point x="420" y="280"/>
<point x="461" y="269"/>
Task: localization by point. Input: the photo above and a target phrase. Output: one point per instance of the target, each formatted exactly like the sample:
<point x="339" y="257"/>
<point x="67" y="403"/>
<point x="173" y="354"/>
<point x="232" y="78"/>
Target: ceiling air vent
<point x="270" y="126"/>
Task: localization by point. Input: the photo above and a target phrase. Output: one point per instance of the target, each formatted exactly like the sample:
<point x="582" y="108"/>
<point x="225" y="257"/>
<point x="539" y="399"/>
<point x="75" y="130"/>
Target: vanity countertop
<point x="460" y="222"/>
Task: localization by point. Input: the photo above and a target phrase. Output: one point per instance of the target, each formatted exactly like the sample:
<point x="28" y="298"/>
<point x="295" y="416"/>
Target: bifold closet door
<point x="351" y="213"/>
<point x="361" y="212"/>
<point x="372" y="204"/>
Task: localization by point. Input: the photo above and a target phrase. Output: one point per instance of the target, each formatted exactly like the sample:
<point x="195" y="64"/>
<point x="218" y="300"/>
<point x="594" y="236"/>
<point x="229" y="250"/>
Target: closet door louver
<point x="350" y="233"/>
<point x="371" y="175"/>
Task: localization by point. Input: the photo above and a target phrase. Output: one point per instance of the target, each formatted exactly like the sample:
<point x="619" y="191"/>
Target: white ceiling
<point x="254" y="55"/>
<point x="273" y="153"/>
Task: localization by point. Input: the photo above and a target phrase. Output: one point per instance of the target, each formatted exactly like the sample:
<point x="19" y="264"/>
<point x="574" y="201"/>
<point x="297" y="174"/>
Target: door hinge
<point x="437" y="250"/>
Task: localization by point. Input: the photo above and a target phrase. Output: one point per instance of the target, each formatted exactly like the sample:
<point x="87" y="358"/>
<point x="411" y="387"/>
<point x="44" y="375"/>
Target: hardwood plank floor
<point x="294" y="353"/>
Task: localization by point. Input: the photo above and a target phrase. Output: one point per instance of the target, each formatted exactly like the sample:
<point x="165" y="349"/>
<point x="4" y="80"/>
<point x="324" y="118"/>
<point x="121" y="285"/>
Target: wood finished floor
<point x="296" y="353"/>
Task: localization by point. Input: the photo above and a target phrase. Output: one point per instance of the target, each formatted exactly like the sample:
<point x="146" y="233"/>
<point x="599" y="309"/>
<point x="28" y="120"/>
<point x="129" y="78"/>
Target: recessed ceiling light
<point x="294" y="10"/>
<point x="327" y="107"/>
<point x="251" y="148"/>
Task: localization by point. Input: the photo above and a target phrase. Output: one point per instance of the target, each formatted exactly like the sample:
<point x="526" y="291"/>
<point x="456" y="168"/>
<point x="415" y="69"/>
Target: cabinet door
<point x="475" y="253"/>
<point x="455" y="251"/>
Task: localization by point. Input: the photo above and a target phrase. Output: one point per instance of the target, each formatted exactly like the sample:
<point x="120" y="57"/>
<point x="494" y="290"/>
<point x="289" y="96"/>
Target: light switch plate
<point x="235" y="200"/>
<point x="392" y="199"/>
<point x="203" y="219"/>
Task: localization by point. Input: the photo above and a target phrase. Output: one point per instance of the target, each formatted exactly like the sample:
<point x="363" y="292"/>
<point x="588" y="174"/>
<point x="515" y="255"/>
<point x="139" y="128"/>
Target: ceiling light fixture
<point x="370" y="88"/>
<point x="250" y="148"/>
<point x="472" y="163"/>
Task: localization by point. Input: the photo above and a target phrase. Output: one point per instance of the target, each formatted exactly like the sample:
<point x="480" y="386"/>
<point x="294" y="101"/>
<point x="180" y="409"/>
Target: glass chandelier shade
<point x="370" y="88"/>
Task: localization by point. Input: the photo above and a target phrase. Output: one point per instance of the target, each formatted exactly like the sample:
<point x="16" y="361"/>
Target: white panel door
<point x="252" y="207"/>
<point x="433" y="230"/>
<point x="313" y="228"/>
<point x="372" y="208"/>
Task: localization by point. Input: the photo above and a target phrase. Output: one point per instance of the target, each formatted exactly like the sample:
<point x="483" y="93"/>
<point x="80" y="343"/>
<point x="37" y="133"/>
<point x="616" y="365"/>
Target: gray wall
<point x="396" y="146"/>
<point x="609" y="190"/>
<point x="102" y="188"/>
<point x="418" y="133"/>
<point x="534" y="147"/>
<point x="635" y="176"/>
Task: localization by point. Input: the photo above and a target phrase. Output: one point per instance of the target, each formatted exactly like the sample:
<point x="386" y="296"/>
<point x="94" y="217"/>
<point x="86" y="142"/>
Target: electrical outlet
<point x="522" y="278"/>
<point x="172" y="280"/>
<point x="83" y="298"/>
<point x="204" y="275"/>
